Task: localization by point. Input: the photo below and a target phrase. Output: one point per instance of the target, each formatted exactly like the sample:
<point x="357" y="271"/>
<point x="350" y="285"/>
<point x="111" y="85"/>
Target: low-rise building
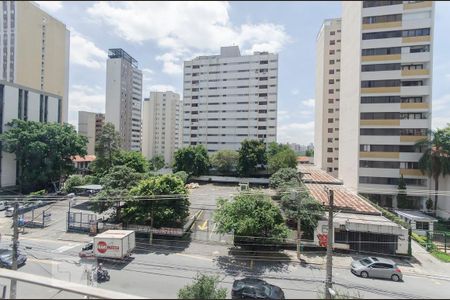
<point x="82" y="163"/>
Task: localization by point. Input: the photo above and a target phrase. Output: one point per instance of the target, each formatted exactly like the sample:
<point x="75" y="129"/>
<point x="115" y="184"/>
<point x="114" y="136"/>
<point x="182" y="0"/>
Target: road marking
<point x="194" y="256"/>
<point x="64" y="248"/>
<point x="212" y="231"/>
<point x="201" y="213"/>
<point x="43" y="261"/>
<point x="204" y="226"/>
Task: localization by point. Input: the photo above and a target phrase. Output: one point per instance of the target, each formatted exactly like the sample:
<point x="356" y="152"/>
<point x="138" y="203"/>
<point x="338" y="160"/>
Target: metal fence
<point x="441" y="240"/>
<point x="79" y="221"/>
<point x="35" y="218"/>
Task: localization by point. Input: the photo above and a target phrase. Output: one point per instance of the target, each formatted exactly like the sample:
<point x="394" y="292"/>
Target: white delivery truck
<point x="116" y="244"/>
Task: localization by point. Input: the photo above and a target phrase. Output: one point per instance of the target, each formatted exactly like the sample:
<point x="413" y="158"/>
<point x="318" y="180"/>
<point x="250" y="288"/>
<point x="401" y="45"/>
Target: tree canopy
<point x="283" y="176"/>
<point x="156" y="163"/>
<point x="274" y="148"/>
<point x="132" y="159"/>
<point x="43" y="151"/>
<point x="193" y="160"/>
<point x="402" y="198"/>
<point x="251" y="154"/>
<point x="204" y="287"/>
<point x="283" y="159"/>
<point x="106" y="147"/>
<point x="225" y="161"/>
<point x="168" y="211"/>
<point x="251" y="214"/>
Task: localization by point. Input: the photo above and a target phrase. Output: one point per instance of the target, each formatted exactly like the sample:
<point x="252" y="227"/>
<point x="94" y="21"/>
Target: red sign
<point x="102" y="247"/>
<point x="323" y="239"/>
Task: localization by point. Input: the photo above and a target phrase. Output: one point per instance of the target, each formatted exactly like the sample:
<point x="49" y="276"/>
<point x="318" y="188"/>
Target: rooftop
<point x="415" y="215"/>
<point x="78" y="158"/>
<point x="120" y="53"/>
<point x="312" y="174"/>
<point x="344" y="199"/>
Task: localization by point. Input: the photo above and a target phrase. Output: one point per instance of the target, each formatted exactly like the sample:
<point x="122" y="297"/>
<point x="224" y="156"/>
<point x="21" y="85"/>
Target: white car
<point x="9" y="212"/>
<point x="2" y="206"/>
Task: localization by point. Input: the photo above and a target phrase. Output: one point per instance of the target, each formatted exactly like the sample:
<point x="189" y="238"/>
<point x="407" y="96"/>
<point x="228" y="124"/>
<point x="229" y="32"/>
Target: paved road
<point x="156" y="272"/>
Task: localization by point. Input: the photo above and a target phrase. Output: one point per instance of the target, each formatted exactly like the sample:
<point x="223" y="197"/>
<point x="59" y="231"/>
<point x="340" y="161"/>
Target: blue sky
<point x="160" y="35"/>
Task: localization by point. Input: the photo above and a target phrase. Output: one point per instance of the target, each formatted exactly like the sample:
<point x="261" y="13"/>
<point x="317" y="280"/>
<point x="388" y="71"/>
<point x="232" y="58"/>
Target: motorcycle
<point x="101" y="275"/>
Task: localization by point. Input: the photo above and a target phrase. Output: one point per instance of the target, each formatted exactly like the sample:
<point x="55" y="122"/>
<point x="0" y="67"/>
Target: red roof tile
<point x="78" y="158"/>
<point x="313" y="174"/>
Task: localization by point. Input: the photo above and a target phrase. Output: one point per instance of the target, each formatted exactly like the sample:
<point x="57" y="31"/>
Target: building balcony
<point x="411" y="172"/>
<point x="381" y="25"/>
<point x="395" y="155"/>
<point x="381" y="90"/>
<point x="415" y="57"/>
<point x="423" y="72"/>
<point x="424" y="4"/>
<point x="422" y="90"/>
<point x="411" y="138"/>
<point x="423" y="105"/>
<point x="381" y="57"/>
<point x="390" y="122"/>
<point x="416" y="39"/>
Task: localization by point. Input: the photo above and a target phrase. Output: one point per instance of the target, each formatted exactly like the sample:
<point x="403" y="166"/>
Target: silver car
<point x="377" y="268"/>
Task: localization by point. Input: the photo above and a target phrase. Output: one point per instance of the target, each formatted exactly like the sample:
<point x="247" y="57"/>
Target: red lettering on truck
<point x="102" y="247"/>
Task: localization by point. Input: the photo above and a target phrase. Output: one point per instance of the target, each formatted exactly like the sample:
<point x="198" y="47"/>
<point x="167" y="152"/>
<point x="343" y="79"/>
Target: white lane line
<point x="64" y="248"/>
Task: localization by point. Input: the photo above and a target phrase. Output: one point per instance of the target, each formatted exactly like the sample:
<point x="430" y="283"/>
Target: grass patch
<point x="442" y="256"/>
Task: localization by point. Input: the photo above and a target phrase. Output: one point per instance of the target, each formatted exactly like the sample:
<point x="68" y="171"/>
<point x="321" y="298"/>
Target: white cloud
<point x="147" y="74"/>
<point x="295" y="92"/>
<point x="185" y="28"/>
<point x="161" y="88"/>
<point x="300" y="133"/>
<point x="50" y="6"/>
<point x="309" y="103"/>
<point x="85" y="53"/>
<point x="82" y="97"/>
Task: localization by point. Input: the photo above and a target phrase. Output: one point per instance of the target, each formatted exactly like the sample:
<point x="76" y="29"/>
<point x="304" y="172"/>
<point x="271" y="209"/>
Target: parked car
<point x="9" y="212"/>
<point x="254" y="288"/>
<point x="377" y="268"/>
<point x="6" y="258"/>
<point x="2" y="205"/>
<point x="87" y="251"/>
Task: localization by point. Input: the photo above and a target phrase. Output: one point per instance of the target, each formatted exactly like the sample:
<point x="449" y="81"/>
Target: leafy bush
<point x="204" y="287"/>
<point x="225" y="161"/>
<point x="76" y="180"/>
<point x="283" y="159"/>
<point x="39" y="193"/>
<point x="183" y="175"/>
<point x="192" y="159"/>
<point x="283" y="176"/>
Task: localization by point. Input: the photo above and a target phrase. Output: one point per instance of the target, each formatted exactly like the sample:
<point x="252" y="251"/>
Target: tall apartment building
<point x="34" y="50"/>
<point x="229" y="98"/>
<point x="328" y="70"/>
<point x="90" y="125"/>
<point x="161" y="125"/>
<point x="24" y="103"/>
<point x="385" y="107"/>
<point x="124" y="97"/>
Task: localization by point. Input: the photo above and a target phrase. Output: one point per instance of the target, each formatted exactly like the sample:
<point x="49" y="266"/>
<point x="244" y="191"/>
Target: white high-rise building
<point x="124" y="97"/>
<point x="230" y="97"/>
<point x="34" y="50"/>
<point x="385" y="107"/>
<point x="161" y="125"/>
<point x="90" y="125"/>
<point x="328" y="70"/>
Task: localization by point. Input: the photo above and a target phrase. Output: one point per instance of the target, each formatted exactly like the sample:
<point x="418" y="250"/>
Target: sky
<point x="161" y="35"/>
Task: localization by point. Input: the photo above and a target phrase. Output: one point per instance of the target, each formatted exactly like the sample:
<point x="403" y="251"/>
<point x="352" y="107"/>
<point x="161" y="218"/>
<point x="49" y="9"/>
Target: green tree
<point x="251" y="154"/>
<point x="435" y="161"/>
<point x="193" y="160"/>
<point x="106" y="147"/>
<point x="297" y="204"/>
<point x="156" y="163"/>
<point x="283" y="159"/>
<point x="251" y="214"/>
<point x="225" y="161"/>
<point x="283" y="176"/>
<point x="132" y="159"/>
<point x="274" y="148"/>
<point x="309" y="152"/>
<point x="76" y="180"/>
<point x="204" y="287"/>
<point x="402" y="198"/>
<point x="166" y="211"/>
<point x="43" y="151"/>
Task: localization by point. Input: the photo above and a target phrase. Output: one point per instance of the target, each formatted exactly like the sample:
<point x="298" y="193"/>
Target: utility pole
<point x="330" y="238"/>
<point x="299" y="225"/>
<point x="151" y="223"/>
<point x="13" y="288"/>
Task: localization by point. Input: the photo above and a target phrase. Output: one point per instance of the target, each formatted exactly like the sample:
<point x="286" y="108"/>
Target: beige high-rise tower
<point x="326" y="132"/>
<point x="161" y="125"/>
<point x="35" y="50"/>
<point x="90" y="125"/>
<point x="385" y="107"/>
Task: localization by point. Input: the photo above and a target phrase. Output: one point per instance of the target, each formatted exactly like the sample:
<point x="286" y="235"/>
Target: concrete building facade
<point x="161" y="125"/>
<point x="34" y="50"/>
<point x="124" y="97"/>
<point x="90" y="125"/>
<point x="326" y="125"/>
<point x="230" y="97"/>
<point x="385" y="107"/>
<point x="24" y="103"/>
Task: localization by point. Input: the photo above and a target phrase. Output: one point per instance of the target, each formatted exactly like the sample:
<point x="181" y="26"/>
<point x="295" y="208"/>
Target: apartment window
<point x="330" y="81"/>
<point x="330" y="140"/>
<point x="330" y="130"/>
<point x="380" y="3"/>
<point x="332" y="42"/>
<point x="330" y="159"/>
<point x="382" y="35"/>
<point x="330" y="120"/>
<point x="329" y="170"/>
<point x="422" y="225"/>
<point x="412" y="83"/>
<point x="331" y="91"/>
<point x="263" y="62"/>
<point x="332" y="33"/>
<point x="391" y="181"/>
<point x="418" y="49"/>
<point x="380" y="116"/>
<point x="331" y="52"/>
<point x="20" y="105"/>
<point x="411" y="99"/>
<point x="379" y="83"/>
<point x="393" y="131"/>
<point x="331" y="61"/>
<point x="380" y="99"/>
<point x="380" y="67"/>
<point x="329" y="150"/>
<point x="416" y="32"/>
<point x="382" y="19"/>
<point x="381" y="51"/>
<point x="330" y="110"/>
<point x="331" y="72"/>
<point x="413" y="67"/>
